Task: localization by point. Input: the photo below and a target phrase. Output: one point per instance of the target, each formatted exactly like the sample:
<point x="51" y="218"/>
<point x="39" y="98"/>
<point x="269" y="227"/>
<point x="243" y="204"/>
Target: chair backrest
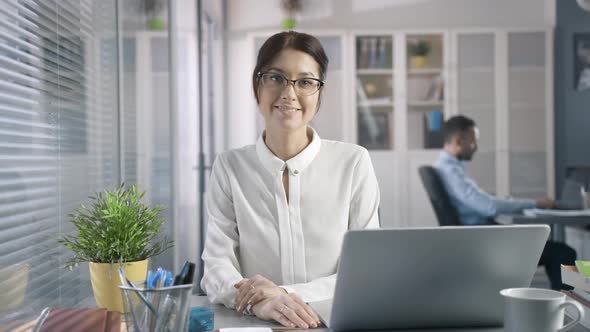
<point x="445" y="211"/>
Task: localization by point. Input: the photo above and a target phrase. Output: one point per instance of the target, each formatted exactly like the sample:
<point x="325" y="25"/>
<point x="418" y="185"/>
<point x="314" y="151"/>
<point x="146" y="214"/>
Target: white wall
<point x="246" y="15"/>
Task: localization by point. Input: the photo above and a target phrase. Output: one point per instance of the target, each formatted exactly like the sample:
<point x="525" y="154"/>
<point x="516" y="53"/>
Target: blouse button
<point x="295" y="172"/>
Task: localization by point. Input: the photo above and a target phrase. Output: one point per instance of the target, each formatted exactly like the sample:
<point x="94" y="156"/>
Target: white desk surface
<point x="225" y="318"/>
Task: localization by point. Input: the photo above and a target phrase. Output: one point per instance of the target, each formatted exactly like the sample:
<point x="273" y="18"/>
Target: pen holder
<point x="156" y="309"/>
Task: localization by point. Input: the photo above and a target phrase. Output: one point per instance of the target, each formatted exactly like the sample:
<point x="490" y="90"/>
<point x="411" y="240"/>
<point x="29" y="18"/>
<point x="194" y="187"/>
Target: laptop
<point x="441" y="277"/>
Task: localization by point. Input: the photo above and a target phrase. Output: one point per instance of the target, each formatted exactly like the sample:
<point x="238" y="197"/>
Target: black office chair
<point x="446" y="213"/>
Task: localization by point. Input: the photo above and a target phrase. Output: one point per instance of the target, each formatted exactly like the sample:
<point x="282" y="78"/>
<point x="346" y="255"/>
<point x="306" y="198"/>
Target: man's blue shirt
<point x="473" y="204"/>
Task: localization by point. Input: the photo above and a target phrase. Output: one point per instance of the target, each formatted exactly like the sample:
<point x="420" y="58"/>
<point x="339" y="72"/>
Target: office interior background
<point x="98" y="94"/>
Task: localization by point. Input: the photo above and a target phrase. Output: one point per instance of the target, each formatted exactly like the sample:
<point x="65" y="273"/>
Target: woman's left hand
<point x="254" y="290"/>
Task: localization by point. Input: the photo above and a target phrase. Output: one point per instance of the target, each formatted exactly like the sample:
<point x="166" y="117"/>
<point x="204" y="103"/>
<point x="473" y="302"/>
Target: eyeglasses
<point x="306" y="86"/>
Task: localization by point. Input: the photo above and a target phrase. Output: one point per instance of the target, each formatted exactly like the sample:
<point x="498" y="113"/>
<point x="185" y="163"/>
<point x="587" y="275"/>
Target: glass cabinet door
<point x="425" y="91"/>
<point x="527" y="116"/>
<point x="374" y="91"/>
<point x="476" y="100"/>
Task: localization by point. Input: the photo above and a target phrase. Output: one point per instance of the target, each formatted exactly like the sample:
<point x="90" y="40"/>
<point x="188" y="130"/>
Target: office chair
<point x="445" y="212"/>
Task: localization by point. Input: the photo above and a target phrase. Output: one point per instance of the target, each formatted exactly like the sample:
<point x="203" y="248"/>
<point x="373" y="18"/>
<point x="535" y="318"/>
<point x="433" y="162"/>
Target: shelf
<point x="475" y="107"/>
<point x="486" y="70"/>
<point x="520" y="106"/>
<point x="530" y="68"/>
<point x="424" y="71"/>
<point x="376" y="103"/>
<point x="425" y="103"/>
<point x="374" y="71"/>
<point x="379" y="110"/>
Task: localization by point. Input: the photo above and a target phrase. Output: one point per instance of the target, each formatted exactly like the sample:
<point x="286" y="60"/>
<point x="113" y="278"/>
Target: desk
<point x="225" y="317"/>
<point x="557" y="223"/>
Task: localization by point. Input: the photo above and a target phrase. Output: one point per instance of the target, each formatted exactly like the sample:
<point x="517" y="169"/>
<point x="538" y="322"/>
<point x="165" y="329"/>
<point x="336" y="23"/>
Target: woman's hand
<point x="287" y="309"/>
<point x="252" y="291"/>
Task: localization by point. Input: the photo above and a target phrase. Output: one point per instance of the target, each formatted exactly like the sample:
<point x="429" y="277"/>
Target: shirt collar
<point x="450" y="159"/>
<point x="296" y="164"/>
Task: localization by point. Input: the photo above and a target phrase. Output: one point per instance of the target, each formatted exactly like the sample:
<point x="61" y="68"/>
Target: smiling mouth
<point x="286" y="108"/>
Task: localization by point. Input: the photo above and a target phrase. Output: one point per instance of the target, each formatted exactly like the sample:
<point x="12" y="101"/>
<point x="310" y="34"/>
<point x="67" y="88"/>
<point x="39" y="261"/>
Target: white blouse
<point x="252" y="229"/>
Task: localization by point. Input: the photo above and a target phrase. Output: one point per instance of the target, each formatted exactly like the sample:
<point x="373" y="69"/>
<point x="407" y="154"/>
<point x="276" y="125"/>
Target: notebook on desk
<point x="81" y="320"/>
<point x="442" y="277"/>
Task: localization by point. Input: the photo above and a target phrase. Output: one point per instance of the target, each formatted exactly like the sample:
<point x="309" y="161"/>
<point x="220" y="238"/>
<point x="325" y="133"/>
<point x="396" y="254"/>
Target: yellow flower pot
<point x="418" y="61"/>
<point x="105" y="281"/>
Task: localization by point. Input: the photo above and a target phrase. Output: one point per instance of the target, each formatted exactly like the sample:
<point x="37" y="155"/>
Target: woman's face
<point x="282" y="108"/>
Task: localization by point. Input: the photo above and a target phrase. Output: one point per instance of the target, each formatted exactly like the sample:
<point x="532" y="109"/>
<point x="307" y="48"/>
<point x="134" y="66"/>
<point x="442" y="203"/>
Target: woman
<point x="278" y="210"/>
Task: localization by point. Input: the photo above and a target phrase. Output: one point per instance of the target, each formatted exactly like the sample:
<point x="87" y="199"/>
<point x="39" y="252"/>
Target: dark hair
<point x="289" y="40"/>
<point x="456" y="125"/>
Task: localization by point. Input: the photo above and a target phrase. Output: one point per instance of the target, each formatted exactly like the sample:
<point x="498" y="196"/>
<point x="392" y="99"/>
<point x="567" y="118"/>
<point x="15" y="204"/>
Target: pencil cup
<point x="156" y="309"/>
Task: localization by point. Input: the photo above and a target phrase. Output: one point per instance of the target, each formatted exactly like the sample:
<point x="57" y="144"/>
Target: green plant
<point x="291" y="7"/>
<point x="419" y="48"/>
<point x="116" y="227"/>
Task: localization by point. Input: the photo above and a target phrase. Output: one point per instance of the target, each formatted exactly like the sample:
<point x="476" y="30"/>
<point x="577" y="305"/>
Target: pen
<point x="179" y="278"/>
<point x="186" y="279"/>
<point x="168" y="281"/>
<point x="170" y="304"/>
<point x="148" y="281"/>
<point x="124" y="283"/>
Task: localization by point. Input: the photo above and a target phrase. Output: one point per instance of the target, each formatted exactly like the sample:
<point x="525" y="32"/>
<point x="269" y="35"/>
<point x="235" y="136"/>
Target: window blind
<point x="58" y="143"/>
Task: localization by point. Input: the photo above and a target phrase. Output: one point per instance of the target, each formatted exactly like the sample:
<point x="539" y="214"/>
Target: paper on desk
<point x="246" y="329"/>
<point x="557" y="213"/>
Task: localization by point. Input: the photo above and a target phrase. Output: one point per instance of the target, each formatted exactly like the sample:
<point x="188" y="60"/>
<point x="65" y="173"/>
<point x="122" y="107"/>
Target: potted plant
<point x="153" y="8"/>
<point x="291" y="7"/>
<point x="115" y="230"/>
<point x="419" y="51"/>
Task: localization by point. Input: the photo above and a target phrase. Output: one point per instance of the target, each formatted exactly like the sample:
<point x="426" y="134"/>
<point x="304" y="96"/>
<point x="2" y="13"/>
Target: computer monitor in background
<point x="576" y="178"/>
<point x="580" y="174"/>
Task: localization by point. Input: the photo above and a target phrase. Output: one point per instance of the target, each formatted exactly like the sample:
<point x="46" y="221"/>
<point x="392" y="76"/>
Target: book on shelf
<point x="378" y="101"/>
<point x="364" y="101"/>
<point x="372" y="52"/>
<point x="426" y="88"/>
<point x="433" y="136"/>
<point x="436" y="90"/>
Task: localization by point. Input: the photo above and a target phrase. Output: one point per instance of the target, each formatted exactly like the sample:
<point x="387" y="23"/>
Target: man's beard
<point x="466" y="156"/>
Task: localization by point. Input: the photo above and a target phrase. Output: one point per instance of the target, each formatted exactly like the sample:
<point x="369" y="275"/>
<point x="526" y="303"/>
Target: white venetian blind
<point x="58" y="142"/>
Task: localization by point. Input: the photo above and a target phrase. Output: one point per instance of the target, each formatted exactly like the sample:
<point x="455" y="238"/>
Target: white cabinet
<point x="528" y="119"/>
<point x="501" y="78"/>
<point x="400" y="100"/>
<point x="475" y="97"/>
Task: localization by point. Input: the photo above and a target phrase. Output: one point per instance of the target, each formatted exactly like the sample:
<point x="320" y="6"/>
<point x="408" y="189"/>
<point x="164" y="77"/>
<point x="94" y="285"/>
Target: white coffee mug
<point x="537" y="310"/>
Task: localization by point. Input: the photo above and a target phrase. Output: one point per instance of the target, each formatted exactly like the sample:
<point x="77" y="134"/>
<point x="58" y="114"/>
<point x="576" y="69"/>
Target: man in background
<point x="475" y="206"/>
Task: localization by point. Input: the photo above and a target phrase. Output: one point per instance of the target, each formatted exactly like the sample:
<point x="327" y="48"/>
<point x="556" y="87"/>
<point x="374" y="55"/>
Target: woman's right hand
<point x="287" y="309"/>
